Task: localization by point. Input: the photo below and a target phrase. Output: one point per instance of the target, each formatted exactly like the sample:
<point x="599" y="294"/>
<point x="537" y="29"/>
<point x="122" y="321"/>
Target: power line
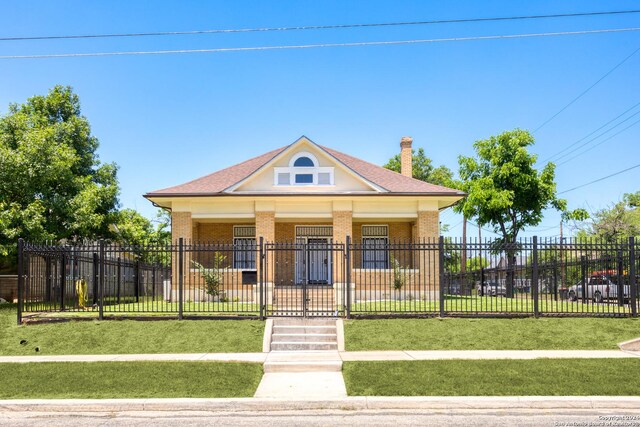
<point x="587" y="90"/>
<point x="326" y="45"/>
<point x="587" y="136"/>
<point x="600" y="143"/>
<point x="600" y="179"/>
<point x="320" y="27"/>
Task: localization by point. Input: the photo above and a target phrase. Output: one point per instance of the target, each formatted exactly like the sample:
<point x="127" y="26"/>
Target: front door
<point x="318" y="261"/>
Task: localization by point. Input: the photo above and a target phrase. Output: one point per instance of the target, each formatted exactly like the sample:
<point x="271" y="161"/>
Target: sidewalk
<point x="611" y="404"/>
<point x="342" y="355"/>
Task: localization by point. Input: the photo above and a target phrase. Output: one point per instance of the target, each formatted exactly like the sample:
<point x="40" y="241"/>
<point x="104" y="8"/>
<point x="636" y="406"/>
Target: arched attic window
<point x="303" y="169"/>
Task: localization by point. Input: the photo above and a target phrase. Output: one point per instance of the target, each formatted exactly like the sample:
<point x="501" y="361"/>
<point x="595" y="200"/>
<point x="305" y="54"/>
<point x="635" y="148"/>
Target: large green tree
<point x="52" y="184"/>
<point x="507" y="192"/>
<point x="423" y="168"/>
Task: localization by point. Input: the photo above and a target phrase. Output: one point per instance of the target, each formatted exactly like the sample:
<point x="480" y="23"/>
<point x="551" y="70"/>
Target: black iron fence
<point x="317" y="277"/>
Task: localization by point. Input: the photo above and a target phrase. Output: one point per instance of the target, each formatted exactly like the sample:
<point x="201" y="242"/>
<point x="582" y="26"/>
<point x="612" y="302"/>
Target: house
<point x="310" y="196"/>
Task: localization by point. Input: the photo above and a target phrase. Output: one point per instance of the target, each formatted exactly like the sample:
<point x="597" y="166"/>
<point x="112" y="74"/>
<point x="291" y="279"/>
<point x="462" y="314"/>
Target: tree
<point x="617" y="222"/>
<point x="423" y="169"/>
<point x="506" y="191"/>
<point x="52" y="184"/>
<point x="131" y="228"/>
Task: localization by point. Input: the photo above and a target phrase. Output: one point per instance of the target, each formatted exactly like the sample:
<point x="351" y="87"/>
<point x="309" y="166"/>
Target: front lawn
<point x="105" y="380"/>
<point x="539" y="377"/>
<point x="128" y="336"/>
<point x="489" y="334"/>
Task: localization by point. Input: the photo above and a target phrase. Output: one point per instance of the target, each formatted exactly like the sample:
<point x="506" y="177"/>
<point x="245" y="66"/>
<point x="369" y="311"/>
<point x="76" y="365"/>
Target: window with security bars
<point x="244" y="253"/>
<point x="375" y="241"/>
<point x="244" y="247"/>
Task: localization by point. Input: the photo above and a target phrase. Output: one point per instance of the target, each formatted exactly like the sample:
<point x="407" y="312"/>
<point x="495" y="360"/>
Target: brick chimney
<point x="406" y="167"/>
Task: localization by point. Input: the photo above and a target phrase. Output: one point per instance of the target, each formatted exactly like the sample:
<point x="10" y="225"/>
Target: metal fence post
<point x="347" y="248"/>
<point x="96" y="279"/>
<point x="620" y="274"/>
<point x="63" y="279"/>
<point x="118" y="280"/>
<point x="20" y="279"/>
<point x="534" y="278"/>
<point x="261" y="278"/>
<point x="583" y="274"/>
<point x="632" y="277"/>
<point x="136" y="280"/>
<point x="441" y="273"/>
<point x="180" y="276"/>
<point x="101" y="282"/>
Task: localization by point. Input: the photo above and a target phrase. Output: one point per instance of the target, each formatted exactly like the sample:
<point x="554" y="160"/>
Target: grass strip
<point x="128" y="336"/>
<point x="489" y="334"/>
<point x="104" y="380"/>
<point x="539" y="377"/>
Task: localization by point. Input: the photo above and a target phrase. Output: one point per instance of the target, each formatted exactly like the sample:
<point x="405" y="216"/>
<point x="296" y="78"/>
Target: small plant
<point x="212" y="276"/>
<point x="398" y="273"/>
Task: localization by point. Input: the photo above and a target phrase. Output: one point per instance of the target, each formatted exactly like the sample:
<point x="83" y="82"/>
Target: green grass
<point x="103" y="380"/>
<point x="472" y="304"/>
<point x="539" y="377"/>
<point x="129" y="336"/>
<point x="489" y="334"/>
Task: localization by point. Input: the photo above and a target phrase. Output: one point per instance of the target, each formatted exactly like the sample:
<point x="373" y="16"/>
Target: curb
<point x="349" y="404"/>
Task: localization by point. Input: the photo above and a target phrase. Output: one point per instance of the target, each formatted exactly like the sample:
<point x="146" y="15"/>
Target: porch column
<point x="342" y="227"/>
<point x="427" y="233"/>
<point x="266" y="228"/>
<point x="181" y="226"/>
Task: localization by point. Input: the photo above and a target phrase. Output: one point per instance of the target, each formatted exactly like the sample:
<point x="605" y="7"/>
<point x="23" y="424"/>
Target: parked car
<point x="491" y="289"/>
<point x="599" y="288"/>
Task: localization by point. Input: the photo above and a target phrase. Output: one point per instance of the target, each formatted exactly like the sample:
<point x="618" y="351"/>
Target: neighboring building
<point x="307" y="193"/>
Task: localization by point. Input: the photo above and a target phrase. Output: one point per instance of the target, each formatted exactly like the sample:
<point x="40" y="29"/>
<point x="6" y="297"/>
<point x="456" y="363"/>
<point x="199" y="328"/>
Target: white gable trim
<point x="292" y="147"/>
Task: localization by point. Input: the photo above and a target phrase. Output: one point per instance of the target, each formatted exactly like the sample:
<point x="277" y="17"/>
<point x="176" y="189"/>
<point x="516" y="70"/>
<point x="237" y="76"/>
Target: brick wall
<point x="181" y="225"/>
<point x="215" y="233"/>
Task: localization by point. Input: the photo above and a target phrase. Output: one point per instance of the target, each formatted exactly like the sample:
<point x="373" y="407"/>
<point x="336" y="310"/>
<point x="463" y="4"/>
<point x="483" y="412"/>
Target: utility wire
<point x="600" y="143"/>
<point x="587" y="136"/>
<point x="320" y="27"/>
<point x="311" y="46"/>
<point x="601" y="179"/>
<point x="586" y="90"/>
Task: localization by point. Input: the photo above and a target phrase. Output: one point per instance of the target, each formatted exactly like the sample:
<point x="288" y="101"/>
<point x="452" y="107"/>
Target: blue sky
<point x="168" y="119"/>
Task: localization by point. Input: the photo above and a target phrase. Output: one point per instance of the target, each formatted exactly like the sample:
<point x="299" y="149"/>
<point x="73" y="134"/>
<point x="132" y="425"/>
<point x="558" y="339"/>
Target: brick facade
<point x="181" y="226"/>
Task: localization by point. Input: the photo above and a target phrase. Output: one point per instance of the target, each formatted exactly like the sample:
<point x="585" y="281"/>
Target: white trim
<point x="303" y="154"/>
<point x="300" y="170"/>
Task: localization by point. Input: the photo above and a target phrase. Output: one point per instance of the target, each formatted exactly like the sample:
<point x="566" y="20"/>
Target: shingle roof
<point x="219" y="181"/>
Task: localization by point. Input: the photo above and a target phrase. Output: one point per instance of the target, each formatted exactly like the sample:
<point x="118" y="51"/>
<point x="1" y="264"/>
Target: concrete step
<point x="302" y="346"/>
<point x="311" y="366"/>
<point x="292" y="329"/>
<point x="304" y="337"/>
<point x="302" y="321"/>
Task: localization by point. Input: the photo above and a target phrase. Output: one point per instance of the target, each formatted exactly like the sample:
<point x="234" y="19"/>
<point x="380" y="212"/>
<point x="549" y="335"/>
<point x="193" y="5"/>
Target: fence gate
<point x="304" y="278"/>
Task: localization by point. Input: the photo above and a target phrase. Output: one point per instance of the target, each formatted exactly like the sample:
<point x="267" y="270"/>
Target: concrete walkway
<point x="332" y="356"/>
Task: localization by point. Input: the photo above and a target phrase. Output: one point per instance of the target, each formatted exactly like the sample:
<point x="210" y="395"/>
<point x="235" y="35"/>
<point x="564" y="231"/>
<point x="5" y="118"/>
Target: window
<point x="303" y="169"/>
<point x="244" y="247"/>
<point x="304" y="178"/>
<point x="375" y="240"/>
<point x="303" y="162"/>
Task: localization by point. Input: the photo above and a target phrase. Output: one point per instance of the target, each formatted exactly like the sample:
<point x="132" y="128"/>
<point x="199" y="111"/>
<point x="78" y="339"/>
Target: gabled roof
<point x="218" y="183"/>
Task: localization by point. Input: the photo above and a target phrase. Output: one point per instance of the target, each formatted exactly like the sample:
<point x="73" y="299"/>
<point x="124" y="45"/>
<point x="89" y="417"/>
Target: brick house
<point x="311" y="194"/>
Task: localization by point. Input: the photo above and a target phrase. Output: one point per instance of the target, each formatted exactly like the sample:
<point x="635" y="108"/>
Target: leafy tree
<point x="131" y="228"/>
<point x="52" y="184"/>
<point x="617" y="222"/>
<point x="423" y="169"/>
<point x="506" y="191"/>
